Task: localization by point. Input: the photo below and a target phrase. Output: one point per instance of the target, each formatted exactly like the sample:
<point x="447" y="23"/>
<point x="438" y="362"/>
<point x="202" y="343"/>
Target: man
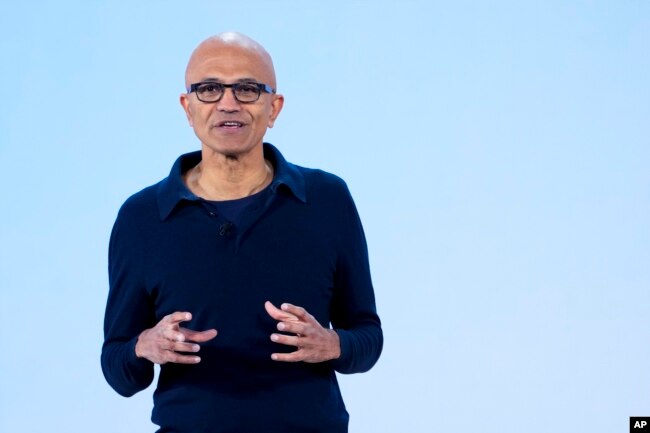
<point x="229" y="272"/>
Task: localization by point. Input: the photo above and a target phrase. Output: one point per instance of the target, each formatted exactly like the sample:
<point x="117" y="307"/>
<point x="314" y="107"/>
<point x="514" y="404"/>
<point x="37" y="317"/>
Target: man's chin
<point x="231" y="151"/>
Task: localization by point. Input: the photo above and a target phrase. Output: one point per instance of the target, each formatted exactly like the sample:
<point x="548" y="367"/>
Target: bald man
<point x="245" y="277"/>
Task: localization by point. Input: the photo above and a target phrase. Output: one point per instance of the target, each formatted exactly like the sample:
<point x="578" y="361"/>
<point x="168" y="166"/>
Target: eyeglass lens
<point x="212" y="92"/>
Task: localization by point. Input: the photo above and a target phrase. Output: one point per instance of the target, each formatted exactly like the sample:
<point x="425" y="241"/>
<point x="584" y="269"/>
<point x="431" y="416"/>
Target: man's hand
<point x="160" y="343"/>
<point x="314" y="343"/>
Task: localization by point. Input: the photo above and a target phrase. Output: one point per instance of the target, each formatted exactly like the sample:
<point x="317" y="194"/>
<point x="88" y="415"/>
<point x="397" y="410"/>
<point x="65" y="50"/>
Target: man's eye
<point x="247" y="88"/>
<point x="209" y="88"/>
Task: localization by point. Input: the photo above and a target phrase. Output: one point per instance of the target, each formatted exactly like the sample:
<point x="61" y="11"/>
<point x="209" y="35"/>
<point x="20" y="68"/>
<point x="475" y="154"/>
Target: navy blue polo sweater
<point x="300" y="242"/>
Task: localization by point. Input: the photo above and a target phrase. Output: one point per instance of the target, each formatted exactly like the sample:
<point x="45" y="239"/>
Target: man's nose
<point x="228" y="102"/>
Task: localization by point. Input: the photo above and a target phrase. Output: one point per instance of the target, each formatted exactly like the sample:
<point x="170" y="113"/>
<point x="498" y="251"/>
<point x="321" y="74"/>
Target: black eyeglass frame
<point x="261" y="87"/>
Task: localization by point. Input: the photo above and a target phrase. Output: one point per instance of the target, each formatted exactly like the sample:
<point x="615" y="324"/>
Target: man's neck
<point x="228" y="177"/>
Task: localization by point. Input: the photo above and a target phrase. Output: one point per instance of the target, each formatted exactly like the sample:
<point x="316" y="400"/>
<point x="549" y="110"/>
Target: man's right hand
<point x="161" y="343"/>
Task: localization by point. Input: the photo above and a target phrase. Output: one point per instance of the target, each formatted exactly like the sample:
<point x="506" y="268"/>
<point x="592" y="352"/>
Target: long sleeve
<point x="128" y="310"/>
<point x="353" y="314"/>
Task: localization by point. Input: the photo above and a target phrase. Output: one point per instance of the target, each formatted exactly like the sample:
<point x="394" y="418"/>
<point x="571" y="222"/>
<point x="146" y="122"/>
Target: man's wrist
<point x="138" y="346"/>
<point x="336" y="345"/>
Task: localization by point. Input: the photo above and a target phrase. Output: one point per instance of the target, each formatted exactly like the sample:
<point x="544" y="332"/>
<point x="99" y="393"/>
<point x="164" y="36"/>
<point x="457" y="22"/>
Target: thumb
<point x="278" y="314"/>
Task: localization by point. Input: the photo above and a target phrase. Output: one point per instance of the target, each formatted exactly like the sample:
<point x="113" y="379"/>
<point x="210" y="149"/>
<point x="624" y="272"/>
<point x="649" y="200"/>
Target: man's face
<point x="229" y="127"/>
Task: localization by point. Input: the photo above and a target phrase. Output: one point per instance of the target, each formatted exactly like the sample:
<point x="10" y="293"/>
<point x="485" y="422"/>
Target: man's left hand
<point x="314" y="343"/>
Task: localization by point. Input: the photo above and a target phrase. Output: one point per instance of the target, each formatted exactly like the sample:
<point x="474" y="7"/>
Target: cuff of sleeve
<point x="139" y="365"/>
<point x="342" y="363"/>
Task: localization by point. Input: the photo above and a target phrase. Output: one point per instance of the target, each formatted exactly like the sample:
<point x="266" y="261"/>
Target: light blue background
<point x="498" y="152"/>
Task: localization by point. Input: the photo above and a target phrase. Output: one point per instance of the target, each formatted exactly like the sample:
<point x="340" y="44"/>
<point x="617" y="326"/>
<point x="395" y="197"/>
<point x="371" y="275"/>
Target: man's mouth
<point x="230" y="124"/>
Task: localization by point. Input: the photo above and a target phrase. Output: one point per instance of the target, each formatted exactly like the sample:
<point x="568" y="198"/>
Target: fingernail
<point x="284" y="306"/>
<point x="274" y="357"/>
<point x="281" y="326"/>
<point x="274" y="337"/>
<point x="197" y="359"/>
<point x="196" y="348"/>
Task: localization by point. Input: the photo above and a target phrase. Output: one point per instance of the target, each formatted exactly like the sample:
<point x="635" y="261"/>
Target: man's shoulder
<point x="321" y="179"/>
<point x="143" y="203"/>
<point x="324" y="187"/>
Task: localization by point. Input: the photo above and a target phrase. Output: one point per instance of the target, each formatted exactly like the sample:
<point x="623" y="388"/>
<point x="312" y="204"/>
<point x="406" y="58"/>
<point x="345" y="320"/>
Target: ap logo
<point x="640" y="424"/>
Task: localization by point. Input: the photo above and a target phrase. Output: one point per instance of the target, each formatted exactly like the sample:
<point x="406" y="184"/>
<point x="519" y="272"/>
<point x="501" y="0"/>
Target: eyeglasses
<point x="247" y="92"/>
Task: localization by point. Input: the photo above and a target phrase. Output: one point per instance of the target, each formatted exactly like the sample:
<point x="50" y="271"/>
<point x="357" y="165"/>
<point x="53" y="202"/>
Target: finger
<point x="177" y="358"/>
<point x="299" y="312"/>
<point x="289" y="340"/>
<point x="198" y="336"/>
<point x="177" y="317"/>
<point x="172" y="334"/>
<point x="183" y="347"/>
<point x="296" y="356"/>
<point x="276" y="313"/>
<point x="294" y="327"/>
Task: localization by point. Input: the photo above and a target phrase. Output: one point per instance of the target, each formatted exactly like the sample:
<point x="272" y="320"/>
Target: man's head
<point x="228" y="126"/>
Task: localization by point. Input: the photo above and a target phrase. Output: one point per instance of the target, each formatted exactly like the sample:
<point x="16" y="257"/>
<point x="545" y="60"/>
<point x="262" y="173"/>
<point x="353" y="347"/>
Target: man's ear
<point x="276" y="107"/>
<point x="185" y="103"/>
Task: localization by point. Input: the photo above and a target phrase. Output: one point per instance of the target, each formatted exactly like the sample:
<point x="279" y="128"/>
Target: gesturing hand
<point x="314" y="343"/>
<point x="160" y="343"/>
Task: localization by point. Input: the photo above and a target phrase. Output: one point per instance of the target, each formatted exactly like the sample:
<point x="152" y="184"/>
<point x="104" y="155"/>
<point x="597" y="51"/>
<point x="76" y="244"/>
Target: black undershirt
<point x="232" y="210"/>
